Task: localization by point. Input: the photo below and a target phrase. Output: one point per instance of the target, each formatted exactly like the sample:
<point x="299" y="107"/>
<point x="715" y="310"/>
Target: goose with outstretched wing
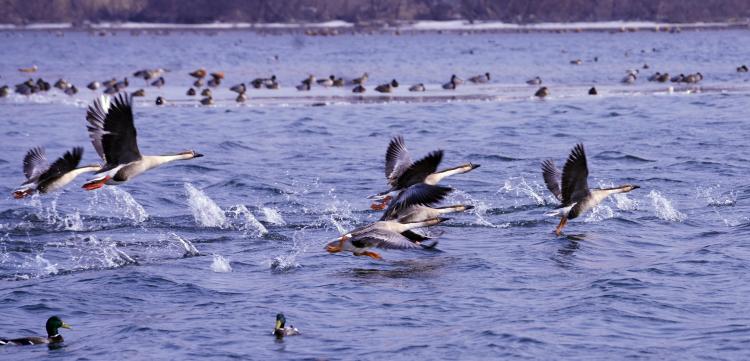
<point x="42" y="177"/>
<point x="113" y="134"/>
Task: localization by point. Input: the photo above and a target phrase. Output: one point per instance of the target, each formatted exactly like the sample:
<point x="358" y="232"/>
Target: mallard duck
<point x="574" y="195"/>
<point x="326" y="82"/>
<point x="535" y="81"/>
<point x="402" y="173"/>
<point x="113" y="135"/>
<point x="54" y="323"/>
<point x="480" y="79"/>
<point x="280" y="330"/>
<point x="306" y="84"/>
<point x="453" y="83"/>
<point x="44" y="178"/>
<point x="160" y="100"/>
<point x="417" y="88"/>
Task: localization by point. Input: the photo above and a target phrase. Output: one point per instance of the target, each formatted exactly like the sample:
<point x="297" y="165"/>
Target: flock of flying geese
<point x="409" y="202"/>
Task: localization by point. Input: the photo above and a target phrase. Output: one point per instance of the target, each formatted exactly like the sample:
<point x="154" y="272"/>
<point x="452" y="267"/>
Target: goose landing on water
<point x="575" y="196"/>
<point x="44" y="178"/>
<point x="113" y="135"/>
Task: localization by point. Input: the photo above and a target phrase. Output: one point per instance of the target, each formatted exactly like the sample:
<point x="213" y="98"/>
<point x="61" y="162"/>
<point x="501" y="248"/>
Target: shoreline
<point x="342" y="27"/>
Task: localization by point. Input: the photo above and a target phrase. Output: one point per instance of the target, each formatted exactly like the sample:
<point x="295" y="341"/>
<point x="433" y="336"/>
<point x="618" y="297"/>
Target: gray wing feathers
<point x="387" y="240"/>
<point x="552" y="178"/>
<point x="397" y="159"/>
<point x="96" y="115"/>
<point x="35" y="163"/>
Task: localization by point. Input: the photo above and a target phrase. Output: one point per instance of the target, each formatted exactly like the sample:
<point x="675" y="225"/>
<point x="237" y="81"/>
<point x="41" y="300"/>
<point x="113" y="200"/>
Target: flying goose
<point x="402" y="173"/>
<point x="54" y="323"/>
<point x="575" y="196"/>
<point x="113" y="134"/>
<point x="381" y="234"/>
<point x="44" y="178"/>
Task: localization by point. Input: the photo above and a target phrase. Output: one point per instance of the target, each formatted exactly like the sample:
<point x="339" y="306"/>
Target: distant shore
<point x="342" y="27"/>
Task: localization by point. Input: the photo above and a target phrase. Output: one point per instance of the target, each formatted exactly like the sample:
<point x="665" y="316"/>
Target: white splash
<point x="220" y="264"/>
<point x="624" y="203"/>
<point x="664" y="209"/>
<point x="523" y="188"/>
<point x="714" y="200"/>
<point x="286" y="262"/>
<point x="599" y="213"/>
<point x="190" y="249"/>
<point x="246" y="221"/>
<point x="205" y="211"/>
<point x="44" y="266"/>
<point x="480" y="208"/>
<point x="273" y="216"/>
<point x="126" y="205"/>
<point x="73" y="222"/>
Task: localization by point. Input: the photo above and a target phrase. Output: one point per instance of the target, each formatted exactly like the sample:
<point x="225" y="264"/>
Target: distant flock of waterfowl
<point x="155" y="78"/>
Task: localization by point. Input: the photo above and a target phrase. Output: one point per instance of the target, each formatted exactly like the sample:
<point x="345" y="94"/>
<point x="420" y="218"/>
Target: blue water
<point x="140" y="270"/>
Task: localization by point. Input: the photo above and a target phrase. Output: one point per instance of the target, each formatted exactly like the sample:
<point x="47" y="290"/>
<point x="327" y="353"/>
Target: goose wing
<point x="112" y="131"/>
<point x="382" y="238"/>
<point x="552" y="178"/>
<point x="419" y="194"/>
<point x="397" y="159"/>
<point x="35" y="163"/>
<point x="64" y="164"/>
<point x="575" y="176"/>
<point x="419" y="170"/>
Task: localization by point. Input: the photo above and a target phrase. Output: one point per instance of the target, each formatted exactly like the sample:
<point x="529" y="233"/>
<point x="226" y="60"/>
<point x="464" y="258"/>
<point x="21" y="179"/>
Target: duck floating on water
<point x="480" y="79"/>
<point x="54" y="324"/>
<point x="571" y="187"/>
<point x="534" y="81"/>
<point x="542" y="92"/>
<point x="43" y="178"/>
<point x="280" y="330"/>
<point x="31" y="69"/>
<point x="113" y="135"/>
<point x="593" y="91"/>
<point x="387" y="87"/>
<point x="417" y="88"/>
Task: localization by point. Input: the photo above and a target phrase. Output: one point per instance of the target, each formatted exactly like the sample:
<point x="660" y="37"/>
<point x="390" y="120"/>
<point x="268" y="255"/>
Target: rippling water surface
<point x="193" y="260"/>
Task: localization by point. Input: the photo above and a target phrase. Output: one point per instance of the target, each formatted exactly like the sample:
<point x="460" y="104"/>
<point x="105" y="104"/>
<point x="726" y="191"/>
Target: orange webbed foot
<point x="96" y="184"/>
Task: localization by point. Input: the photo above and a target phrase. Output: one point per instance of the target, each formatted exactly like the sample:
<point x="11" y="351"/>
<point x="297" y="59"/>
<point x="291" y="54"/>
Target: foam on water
<point x="479" y="211"/>
<point x="220" y="264"/>
<point x="189" y="248"/>
<point x="663" y="208"/>
<point x="599" y="213"/>
<point x="245" y="221"/>
<point x="115" y="201"/>
<point x="273" y="216"/>
<point x="205" y="211"/>
<point x="520" y="188"/>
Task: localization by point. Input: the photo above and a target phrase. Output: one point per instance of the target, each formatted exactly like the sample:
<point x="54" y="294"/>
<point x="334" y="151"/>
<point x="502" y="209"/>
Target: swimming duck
<point x="480" y="79"/>
<point x="257" y="83"/>
<point x="629" y="79"/>
<point x="31" y="69"/>
<point x="160" y="101"/>
<point x="577" y="62"/>
<point x="654" y="76"/>
<point x="535" y="81"/>
<point x="206" y="92"/>
<point x="239" y="88"/>
<point x="219" y="75"/>
<point x="359" y="89"/>
<point x="361" y="80"/>
<point x="198" y="83"/>
<point x="158" y="82"/>
<point x="452" y="83"/>
<point x="4" y="91"/>
<point x="214" y="82"/>
<point x="109" y="83"/>
<point x="542" y="92"/>
<point x="54" y="323"/>
<point x="113" y="134"/>
<point x="43" y="178"/>
<point x="417" y="88"/>
<point x="306" y="84"/>
<point x="280" y="330"/>
<point x="93" y="85"/>
<point x="677" y="78"/>
<point x="62" y="84"/>
<point x="199" y="74"/>
<point x="209" y="100"/>
<point x="241" y="98"/>
<point x="338" y="82"/>
<point x="138" y="93"/>
<point x="381" y="234"/>
<point x="593" y="91"/>
<point x="387" y="87"/>
<point x="71" y="91"/>
<point x="327" y="81"/>
<point x="272" y="83"/>
<point x="43" y="85"/>
<point x="742" y="69"/>
<point x="191" y="92"/>
<point x="574" y="195"/>
<point x="401" y="173"/>
<point x="693" y="78"/>
<point x="663" y="78"/>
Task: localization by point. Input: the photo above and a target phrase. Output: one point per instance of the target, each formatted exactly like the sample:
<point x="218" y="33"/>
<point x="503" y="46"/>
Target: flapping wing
<point x="112" y="131"/>
<point x="397" y="159"/>
<point x="64" y="164"/>
<point x="552" y="178"/>
<point x="575" y="176"/>
<point x="384" y="239"/>
<point x="419" y="170"/>
<point x="35" y="163"/>
<point x="417" y="195"/>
